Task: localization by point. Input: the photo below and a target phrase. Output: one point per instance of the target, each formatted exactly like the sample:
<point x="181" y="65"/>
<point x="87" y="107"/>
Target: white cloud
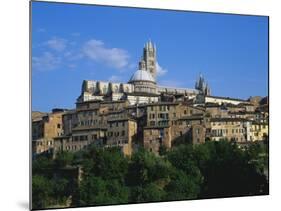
<point x="47" y="61"/>
<point x="160" y="70"/>
<point x="57" y="44"/>
<point x="115" y="78"/>
<point x="113" y="57"/>
<point x="73" y="55"/>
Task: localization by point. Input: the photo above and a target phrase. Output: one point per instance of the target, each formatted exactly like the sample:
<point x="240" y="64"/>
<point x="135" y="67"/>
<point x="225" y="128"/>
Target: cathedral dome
<point x="142" y="75"/>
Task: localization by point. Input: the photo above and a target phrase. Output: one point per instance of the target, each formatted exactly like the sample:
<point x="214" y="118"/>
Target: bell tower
<point x="202" y="86"/>
<point x="148" y="60"/>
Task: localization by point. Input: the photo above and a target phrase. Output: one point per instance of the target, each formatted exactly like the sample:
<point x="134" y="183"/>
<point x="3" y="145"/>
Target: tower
<point x="148" y="60"/>
<point x="202" y="86"/>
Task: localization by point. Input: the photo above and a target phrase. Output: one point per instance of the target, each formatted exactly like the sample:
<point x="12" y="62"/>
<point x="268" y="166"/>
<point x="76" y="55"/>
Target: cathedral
<point x="142" y="86"/>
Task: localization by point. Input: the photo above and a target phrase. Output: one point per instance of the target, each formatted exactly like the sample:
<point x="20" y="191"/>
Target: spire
<point x="202" y="86"/>
<point x="150" y="43"/>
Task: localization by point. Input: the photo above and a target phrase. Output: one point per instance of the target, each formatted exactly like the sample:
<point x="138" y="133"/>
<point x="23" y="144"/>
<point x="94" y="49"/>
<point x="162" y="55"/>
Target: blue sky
<point x="71" y="43"/>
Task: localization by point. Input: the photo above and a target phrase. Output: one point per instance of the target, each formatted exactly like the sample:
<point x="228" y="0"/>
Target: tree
<point x="63" y="159"/>
<point x="41" y="164"/>
<point x="229" y="172"/>
<point x="183" y="158"/>
<point x="145" y="168"/>
<point x="96" y="191"/>
<point x="42" y="189"/>
<point x="181" y="186"/>
<point x="147" y="193"/>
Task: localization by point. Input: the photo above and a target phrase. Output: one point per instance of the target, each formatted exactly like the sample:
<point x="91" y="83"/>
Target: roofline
<point x="227" y="98"/>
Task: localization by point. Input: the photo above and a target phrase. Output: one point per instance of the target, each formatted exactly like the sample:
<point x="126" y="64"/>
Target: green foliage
<point x="41" y="192"/>
<point x="147" y="193"/>
<point x="96" y="191"/>
<point x="181" y="186"/>
<point x="183" y="158"/>
<point x="41" y="163"/>
<point x="212" y="169"/>
<point x="162" y="150"/>
<point x="145" y="168"/>
<point x="63" y="159"/>
<point x="228" y="171"/>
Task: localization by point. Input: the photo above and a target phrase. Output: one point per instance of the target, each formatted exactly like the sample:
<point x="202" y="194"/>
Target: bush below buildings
<point x="212" y="169"/>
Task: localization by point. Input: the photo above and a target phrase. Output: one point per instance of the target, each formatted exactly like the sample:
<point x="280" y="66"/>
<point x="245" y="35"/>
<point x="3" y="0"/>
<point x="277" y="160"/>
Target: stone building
<point x="232" y="129"/>
<point x="259" y="131"/>
<point x="171" y="123"/>
<point x="45" y="128"/>
<point x="122" y="133"/>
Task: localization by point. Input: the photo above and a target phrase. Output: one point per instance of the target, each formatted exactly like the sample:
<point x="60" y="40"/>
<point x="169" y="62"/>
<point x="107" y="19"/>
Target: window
<point x="123" y="132"/>
<point x="58" y="126"/>
<point x="152" y="123"/>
